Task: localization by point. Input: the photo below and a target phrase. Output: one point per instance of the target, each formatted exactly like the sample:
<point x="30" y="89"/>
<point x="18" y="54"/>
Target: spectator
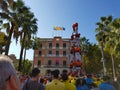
<point x="22" y="81"/>
<point x="89" y="81"/>
<point x="33" y="83"/>
<point x="106" y="84"/>
<point x="8" y="76"/>
<point x="81" y="84"/>
<point x="55" y="84"/>
<point x="42" y="82"/>
<point x="68" y="85"/>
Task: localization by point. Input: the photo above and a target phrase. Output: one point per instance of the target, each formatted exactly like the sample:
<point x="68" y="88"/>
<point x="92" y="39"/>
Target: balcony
<point x="54" y="66"/>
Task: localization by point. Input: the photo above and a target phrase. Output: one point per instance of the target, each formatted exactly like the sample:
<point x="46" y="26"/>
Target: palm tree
<point x="10" y="15"/>
<point x="104" y="27"/>
<point x="27" y="46"/>
<point x="19" y="21"/>
<point x="113" y="42"/>
<point x="116" y="31"/>
<point x="36" y="43"/>
<point x="29" y="29"/>
<point x="110" y="45"/>
<point x="4" y="4"/>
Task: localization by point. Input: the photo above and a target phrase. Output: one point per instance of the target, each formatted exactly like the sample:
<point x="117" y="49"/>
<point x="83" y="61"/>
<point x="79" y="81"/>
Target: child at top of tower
<point x="75" y="27"/>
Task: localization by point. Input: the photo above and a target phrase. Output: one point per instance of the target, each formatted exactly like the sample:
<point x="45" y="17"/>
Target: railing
<point x="55" y="66"/>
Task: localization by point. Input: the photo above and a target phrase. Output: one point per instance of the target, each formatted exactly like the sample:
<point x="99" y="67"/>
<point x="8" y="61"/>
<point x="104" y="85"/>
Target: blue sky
<point x="64" y="13"/>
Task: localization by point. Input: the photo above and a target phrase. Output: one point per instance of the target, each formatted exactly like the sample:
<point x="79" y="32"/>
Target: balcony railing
<point x="55" y="66"/>
<point x="52" y="55"/>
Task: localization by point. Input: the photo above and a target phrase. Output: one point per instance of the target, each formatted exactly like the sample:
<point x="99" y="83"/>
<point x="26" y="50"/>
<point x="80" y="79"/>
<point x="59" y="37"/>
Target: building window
<point x="49" y="62"/>
<point x="50" y="45"/>
<point x="64" y="45"/>
<point x="57" y="63"/>
<point x="39" y="53"/>
<point x="64" y="53"/>
<point x="50" y="53"/>
<point x="64" y="63"/>
<point x="57" y="53"/>
<point x="39" y="63"/>
<point x="57" y="45"/>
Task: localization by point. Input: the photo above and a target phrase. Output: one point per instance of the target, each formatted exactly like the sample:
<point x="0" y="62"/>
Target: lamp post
<point x="103" y="61"/>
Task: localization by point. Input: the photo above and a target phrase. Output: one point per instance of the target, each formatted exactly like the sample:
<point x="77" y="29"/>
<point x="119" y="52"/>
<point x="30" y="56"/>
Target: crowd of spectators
<point x="9" y="80"/>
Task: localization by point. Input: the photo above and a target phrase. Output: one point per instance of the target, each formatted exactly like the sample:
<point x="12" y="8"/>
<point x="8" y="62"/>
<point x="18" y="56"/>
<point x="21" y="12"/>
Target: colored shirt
<point x="89" y="80"/>
<point x="55" y="85"/>
<point x="84" y="87"/>
<point x="69" y="86"/>
<point x="106" y="86"/>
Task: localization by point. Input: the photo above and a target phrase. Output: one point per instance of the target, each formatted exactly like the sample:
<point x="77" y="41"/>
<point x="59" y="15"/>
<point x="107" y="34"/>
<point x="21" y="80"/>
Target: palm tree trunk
<point x="9" y="40"/>
<point x="24" y="59"/>
<point x="113" y="66"/>
<point x="103" y="61"/>
<point x="21" y="53"/>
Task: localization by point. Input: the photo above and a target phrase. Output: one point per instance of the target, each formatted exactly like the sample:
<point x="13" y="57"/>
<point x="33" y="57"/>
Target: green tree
<point x="10" y="15"/>
<point x="4" y="4"/>
<point x="28" y="29"/>
<point x="3" y="41"/>
<point x="36" y="43"/>
<point x="18" y="21"/>
<point x="84" y="45"/>
<point x="115" y="33"/>
<point x="90" y="56"/>
<point x="25" y="69"/>
<point x="113" y="42"/>
<point x="92" y="59"/>
<point x="27" y="45"/>
<point x="102" y="30"/>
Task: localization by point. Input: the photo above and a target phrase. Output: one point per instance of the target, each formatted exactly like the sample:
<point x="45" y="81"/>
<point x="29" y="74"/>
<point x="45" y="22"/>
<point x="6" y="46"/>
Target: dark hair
<point x="64" y="71"/>
<point x="80" y="82"/>
<point x="35" y="72"/>
<point x="41" y="80"/>
<point x="55" y="73"/>
<point x="64" y="77"/>
<point x="89" y="75"/>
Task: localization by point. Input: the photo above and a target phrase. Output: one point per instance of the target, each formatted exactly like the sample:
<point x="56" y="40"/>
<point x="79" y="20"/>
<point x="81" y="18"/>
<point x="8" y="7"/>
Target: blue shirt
<point x="89" y="80"/>
<point x="106" y="86"/>
<point x="84" y="87"/>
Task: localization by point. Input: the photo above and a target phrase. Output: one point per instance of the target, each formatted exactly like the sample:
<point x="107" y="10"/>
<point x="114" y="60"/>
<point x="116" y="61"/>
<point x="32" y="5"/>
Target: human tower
<point x="75" y="52"/>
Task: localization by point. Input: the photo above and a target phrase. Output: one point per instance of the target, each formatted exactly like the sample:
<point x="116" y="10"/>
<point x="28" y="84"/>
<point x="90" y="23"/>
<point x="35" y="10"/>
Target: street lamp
<point x="103" y="61"/>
